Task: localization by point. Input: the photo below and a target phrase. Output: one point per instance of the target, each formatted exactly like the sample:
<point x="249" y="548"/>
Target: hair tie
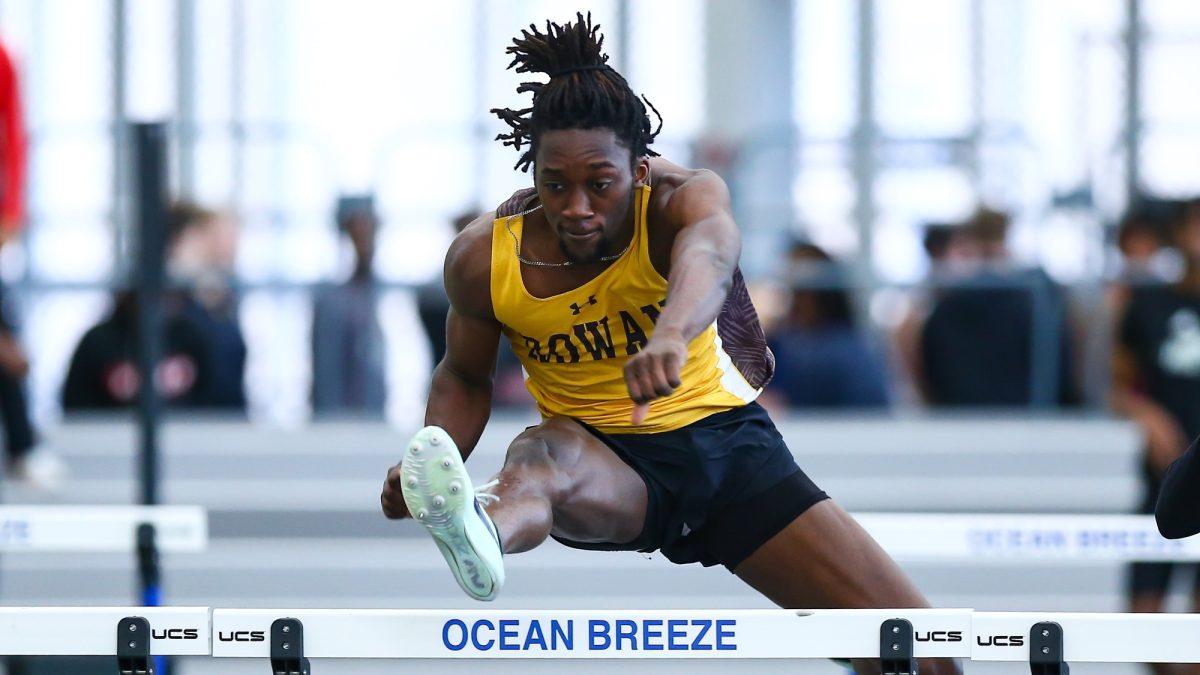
<point x="576" y="69"/>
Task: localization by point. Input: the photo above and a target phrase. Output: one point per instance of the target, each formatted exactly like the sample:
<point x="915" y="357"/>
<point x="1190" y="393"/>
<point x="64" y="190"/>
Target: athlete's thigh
<point x="824" y="559"/>
<point x="604" y="500"/>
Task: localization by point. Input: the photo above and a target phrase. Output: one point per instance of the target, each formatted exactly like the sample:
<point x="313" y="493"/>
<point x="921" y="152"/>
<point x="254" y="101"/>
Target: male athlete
<point x="617" y="285"/>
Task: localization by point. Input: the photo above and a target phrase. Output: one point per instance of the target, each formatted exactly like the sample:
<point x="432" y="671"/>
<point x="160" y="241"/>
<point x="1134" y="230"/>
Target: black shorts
<point x="1154" y="578"/>
<point x="718" y="488"/>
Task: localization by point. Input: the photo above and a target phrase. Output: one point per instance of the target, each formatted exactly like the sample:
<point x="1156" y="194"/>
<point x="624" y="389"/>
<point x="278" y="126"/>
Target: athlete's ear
<point x="641" y="172"/>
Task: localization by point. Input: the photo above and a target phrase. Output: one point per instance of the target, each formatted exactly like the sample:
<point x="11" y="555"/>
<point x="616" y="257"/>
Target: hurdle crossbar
<point x="92" y="631"/>
<point x="1067" y="538"/>
<point x="70" y="529"/>
<point x="940" y="537"/>
<point x="778" y="634"/>
<point x="672" y="634"/>
<point x="1091" y="637"/>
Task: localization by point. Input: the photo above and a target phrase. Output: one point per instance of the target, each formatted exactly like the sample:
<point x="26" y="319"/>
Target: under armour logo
<point x="576" y="309"/>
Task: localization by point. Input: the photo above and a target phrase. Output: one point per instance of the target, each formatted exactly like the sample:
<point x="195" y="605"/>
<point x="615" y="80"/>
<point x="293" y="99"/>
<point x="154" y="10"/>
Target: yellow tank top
<point x="573" y="346"/>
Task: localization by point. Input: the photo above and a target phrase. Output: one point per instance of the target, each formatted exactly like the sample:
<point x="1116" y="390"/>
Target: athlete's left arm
<point x="703" y="258"/>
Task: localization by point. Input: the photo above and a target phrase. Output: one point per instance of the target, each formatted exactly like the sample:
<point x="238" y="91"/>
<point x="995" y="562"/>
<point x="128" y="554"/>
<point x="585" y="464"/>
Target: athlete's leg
<point x="559" y="478"/>
<point x="1151" y="602"/>
<point x="1148" y="584"/>
<point x="826" y="560"/>
<point x="1194" y="668"/>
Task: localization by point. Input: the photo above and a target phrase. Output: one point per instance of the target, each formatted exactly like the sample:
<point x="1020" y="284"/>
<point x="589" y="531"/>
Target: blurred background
<point x="970" y="230"/>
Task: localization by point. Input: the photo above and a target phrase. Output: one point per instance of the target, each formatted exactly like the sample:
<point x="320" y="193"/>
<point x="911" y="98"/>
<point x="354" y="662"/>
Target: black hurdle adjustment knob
<point x="287" y="648"/>
<point x="133" y="646"/>
<point x="896" y="648"/>
<point x="1046" y="649"/>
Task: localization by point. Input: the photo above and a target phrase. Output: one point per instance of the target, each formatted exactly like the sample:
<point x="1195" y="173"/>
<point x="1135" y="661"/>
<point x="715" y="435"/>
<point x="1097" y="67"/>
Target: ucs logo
<point x="176" y="634"/>
<point x="939" y="636"/>
<point x="1000" y="640"/>
<point x="242" y="636"/>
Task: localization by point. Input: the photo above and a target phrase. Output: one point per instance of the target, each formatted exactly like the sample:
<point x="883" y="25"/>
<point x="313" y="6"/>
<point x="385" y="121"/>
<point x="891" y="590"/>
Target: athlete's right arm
<point x="460" y="393"/>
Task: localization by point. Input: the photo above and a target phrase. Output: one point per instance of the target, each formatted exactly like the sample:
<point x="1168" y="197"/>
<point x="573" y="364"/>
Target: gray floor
<point x="294" y="522"/>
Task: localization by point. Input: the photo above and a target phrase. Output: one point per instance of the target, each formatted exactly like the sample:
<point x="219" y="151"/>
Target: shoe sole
<point x="440" y="496"/>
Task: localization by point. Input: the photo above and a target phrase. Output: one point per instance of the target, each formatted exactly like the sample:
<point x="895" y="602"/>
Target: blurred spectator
<point x="951" y="248"/>
<point x="433" y="304"/>
<point x="989" y="230"/>
<point x="978" y="344"/>
<point x="201" y="259"/>
<point x="204" y="355"/>
<point x="951" y="251"/>
<point x="1139" y="239"/>
<point x="1142" y="240"/>
<point x="103" y="373"/>
<point x="822" y="358"/>
<point x="25" y="459"/>
<point x="1156" y="382"/>
<point x="347" y="341"/>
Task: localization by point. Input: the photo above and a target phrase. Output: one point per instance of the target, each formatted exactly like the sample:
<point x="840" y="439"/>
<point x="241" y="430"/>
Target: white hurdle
<point x="99" y="529"/>
<point x="289" y="637"/>
<point x="524" y="634"/>
<point x="975" y="537"/>
<point x="94" y="631"/>
<point x="1091" y="637"/>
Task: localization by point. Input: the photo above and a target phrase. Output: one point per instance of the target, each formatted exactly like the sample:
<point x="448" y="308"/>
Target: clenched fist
<point x="392" y="498"/>
<point x="654" y="371"/>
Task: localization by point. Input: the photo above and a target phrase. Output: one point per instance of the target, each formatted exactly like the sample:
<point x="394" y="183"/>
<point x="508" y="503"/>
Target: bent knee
<point x="558" y="439"/>
<point x="528" y="449"/>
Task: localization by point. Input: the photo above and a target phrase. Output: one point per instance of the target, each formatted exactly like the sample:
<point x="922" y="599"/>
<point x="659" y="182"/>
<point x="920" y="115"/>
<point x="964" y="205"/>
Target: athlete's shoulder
<point x="679" y="191"/>
<point x="468" y="267"/>
<point x="521" y="200"/>
<point x="667" y="176"/>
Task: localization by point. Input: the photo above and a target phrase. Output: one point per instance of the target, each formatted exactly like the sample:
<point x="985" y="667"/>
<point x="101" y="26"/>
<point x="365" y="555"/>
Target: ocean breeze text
<point x="592" y="635"/>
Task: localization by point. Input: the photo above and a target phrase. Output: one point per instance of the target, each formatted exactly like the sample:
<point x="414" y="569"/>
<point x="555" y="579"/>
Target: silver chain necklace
<point x="569" y="263"/>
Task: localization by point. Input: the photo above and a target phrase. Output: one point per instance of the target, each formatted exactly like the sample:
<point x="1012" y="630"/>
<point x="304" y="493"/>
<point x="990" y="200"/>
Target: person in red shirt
<point x="12" y="151"/>
<point x="25" y="460"/>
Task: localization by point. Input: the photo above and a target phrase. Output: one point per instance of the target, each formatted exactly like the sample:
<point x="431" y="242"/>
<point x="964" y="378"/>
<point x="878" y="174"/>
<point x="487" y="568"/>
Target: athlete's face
<point x="585" y="180"/>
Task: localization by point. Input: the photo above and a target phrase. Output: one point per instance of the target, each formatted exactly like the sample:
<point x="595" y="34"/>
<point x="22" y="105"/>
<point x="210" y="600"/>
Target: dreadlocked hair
<point x="583" y="92"/>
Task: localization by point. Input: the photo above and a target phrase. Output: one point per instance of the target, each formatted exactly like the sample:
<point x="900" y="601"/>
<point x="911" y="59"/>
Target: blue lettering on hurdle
<point x="457" y="645"/>
<point x="722" y="633"/>
<point x="598" y="639"/>
<point x="559" y="632"/>
<point x="481" y="646"/>
<point x="534" y="636"/>
<point x="626" y="630"/>
<point x="481" y="635"/>
<point x="676" y="632"/>
<point x="617" y="635"/>
<point x="508" y="633"/>
<point x="649" y="635"/>
<point x="14" y="531"/>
